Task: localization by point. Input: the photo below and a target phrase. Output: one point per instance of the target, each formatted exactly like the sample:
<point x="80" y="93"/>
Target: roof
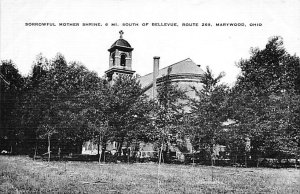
<point x="186" y="68"/>
<point x="121" y="42"/>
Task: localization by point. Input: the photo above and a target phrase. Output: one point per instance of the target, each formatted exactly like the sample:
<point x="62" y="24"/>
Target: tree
<point x="126" y="111"/>
<point x="11" y="87"/>
<point x="169" y="112"/>
<point x="67" y="105"/>
<point x="264" y="101"/>
<point x="79" y="87"/>
<point x="28" y="106"/>
<point x="47" y="99"/>
<point x="92" y="111"/>
<point x="283" y="117"/>
<point x="55" y="102"/>
<point x="209" y="111"/>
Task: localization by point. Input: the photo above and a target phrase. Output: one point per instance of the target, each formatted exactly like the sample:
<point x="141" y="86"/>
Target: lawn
<point x="21" y="174"/>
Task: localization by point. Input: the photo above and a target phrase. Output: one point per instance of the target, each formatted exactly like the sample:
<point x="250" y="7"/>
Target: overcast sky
<point x="219" y="47"/>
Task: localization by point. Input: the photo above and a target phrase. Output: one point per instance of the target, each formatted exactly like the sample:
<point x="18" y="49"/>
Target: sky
<point x="219" y="47"/>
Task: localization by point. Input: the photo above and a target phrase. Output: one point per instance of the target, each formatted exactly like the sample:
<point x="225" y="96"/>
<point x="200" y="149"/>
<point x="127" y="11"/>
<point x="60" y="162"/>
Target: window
<point x="113" y="58"/>
<point x="123" y="59"/>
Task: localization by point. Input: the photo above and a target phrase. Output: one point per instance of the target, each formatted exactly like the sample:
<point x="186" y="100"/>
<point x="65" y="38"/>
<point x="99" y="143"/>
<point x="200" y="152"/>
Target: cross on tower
<point x="121" y="33"/>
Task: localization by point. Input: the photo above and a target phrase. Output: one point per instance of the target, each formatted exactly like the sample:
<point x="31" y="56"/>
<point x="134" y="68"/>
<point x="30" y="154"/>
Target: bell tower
<point x="120" y="58"/>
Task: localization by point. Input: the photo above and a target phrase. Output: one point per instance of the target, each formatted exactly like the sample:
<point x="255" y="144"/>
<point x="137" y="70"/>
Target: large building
<point x="185" y="74"/>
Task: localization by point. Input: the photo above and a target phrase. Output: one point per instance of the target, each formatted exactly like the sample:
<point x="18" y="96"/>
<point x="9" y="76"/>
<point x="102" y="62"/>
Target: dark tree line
<point x="259" y="116"/>
<point x="60" y="105"/>
<point x="11" y="86"/>
<point x="265" y="101"/>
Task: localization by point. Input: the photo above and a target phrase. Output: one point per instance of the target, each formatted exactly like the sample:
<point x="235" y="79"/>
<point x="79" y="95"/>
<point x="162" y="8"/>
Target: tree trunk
<point x="59" y="151"/>
<point x="99" y="153"/>
<point x="35" y="149"/>
<point x="92" y="146"/>
<point x="212" y="164"/>
<point x="199" y="148"/>
<point x="128" y="151"/>
<point x="48" y="147"/>
<point x="296" y="158"/>
<point x="103" y="151"/>
<point x="236" y="156"/>
<point x="137" y="151"/>
<point x="120" y="144"/>
<point x="167" y="156"/>
<point x="128" y="155"/>
<point x="246" y="159"/>
<point x="193" y="156"/>
<point x="104" y="156"/>
<point x="160" y="153"/>
<point x="159" y="162"/>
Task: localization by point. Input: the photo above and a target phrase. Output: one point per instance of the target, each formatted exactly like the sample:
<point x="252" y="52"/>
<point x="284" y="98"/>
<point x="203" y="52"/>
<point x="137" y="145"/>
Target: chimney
<point x="155" y="74"/>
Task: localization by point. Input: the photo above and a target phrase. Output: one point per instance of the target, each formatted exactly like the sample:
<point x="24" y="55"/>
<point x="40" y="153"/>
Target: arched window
<point x="113" y="58"/>
<point x="123" y="59"/>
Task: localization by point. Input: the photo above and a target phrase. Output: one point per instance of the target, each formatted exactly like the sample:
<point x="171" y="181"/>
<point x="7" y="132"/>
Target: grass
<point x="20" y="174"/>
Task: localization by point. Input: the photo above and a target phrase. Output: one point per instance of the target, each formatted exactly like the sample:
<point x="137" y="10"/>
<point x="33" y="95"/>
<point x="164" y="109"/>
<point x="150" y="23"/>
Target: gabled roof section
<point x="184" y="67"/>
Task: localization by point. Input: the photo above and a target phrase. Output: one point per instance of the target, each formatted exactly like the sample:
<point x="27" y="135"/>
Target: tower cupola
<point x="120" y="58"/>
